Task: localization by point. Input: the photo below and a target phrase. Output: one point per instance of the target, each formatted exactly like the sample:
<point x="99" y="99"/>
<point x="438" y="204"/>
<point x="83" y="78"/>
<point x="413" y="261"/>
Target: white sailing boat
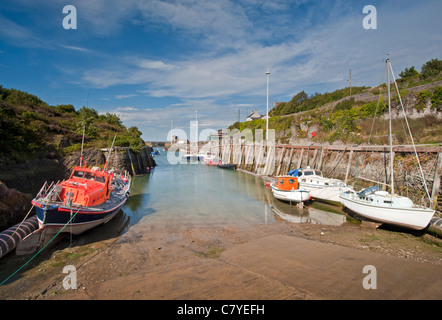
<point x="389" y="208"/>
<point x="320" y="187"/>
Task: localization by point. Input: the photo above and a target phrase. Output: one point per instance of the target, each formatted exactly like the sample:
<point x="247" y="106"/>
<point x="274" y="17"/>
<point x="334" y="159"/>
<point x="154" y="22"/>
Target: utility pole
<point x="350" y="81"/>
<point x="267" y="120"/>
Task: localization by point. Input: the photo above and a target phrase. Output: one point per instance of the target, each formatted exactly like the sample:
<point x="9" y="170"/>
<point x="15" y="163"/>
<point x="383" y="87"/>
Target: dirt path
<point x="275" y="261"/>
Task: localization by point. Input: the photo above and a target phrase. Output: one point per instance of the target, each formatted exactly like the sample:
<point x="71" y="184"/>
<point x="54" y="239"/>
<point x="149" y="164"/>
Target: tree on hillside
<point x="299" y="98"/>
<point x="409" y="72"/>
<point x="65" y="108"/>
<point x="431" y="68"/>
<point x="294" y="105"/>
<point x="86" y="117"/>
<point x="113" y="118"/>
<point x="17" y="97"/>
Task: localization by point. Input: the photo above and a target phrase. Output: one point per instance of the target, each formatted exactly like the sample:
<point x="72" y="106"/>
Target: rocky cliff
<point x="14" y="205"/>
<point x="121" y="159"/>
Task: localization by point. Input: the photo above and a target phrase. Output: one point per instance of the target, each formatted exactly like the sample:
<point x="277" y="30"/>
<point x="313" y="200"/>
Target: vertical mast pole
<point x="81" y="153"/>
<point x="391" y="138"/>
<point x="267" y="120"/>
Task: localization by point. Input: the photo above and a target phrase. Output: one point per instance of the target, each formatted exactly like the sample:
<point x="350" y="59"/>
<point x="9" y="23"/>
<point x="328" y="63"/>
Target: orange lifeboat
<point x="88" y="198"/>
<point x="286" y="188"/>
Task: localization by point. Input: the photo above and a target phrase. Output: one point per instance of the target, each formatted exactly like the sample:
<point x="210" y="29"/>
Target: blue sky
<point x="155" y="61"/>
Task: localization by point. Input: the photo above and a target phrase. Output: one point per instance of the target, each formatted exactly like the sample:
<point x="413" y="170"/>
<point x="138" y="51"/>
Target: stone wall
<point x="124" y="159"/>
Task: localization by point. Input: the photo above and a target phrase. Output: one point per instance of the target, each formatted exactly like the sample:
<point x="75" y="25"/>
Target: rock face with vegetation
<point x="41" y="143"/>
<point x="30" y="128"/>
<point x="340" y="117"/>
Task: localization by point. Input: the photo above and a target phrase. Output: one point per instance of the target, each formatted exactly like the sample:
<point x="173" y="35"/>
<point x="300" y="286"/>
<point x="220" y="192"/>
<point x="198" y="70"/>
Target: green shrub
<point x="431" y="68"/>
<point x="422" y="99"/>
<point x="436" y="99"/>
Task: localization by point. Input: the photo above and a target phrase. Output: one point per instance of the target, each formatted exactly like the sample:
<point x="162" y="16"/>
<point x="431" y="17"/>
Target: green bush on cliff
<point x="431" y="68"/>
<point x="30" y="128"/>
<point x="436" y="99"/>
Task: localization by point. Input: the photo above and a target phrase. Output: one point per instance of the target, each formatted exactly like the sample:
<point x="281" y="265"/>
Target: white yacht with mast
<point x="384" y="207"/>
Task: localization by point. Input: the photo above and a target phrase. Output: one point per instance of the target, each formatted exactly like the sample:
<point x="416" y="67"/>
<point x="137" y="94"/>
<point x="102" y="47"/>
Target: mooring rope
<point x="41" y="248"/>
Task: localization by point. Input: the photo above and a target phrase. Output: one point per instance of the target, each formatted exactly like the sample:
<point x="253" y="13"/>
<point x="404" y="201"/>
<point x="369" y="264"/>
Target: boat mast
<point x="81" y="153"/>
<point x="108" y="155"/>
<point x="424" y="182"/>
<point x="391" y="138"/>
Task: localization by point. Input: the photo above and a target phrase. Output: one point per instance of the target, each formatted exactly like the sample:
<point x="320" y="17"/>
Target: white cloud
<point x="20" y="35"/>
<point x="125" y="96"/>
<point x="212" y="18"/>
<point x="321" y="58"/>
<point x="153" y="64"/>
<point x="307" y="45"/>
<point x="75" y="48"/>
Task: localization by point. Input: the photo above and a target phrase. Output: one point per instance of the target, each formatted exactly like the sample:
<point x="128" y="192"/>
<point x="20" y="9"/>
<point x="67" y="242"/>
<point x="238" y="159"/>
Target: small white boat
<point x="187" y="155"/>
<point x="206" y="156"/>
<point x="286" y="188"/>
<point x="320" y="188"/>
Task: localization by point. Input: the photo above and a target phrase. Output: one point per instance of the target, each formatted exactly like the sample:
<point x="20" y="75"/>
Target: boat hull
<point x="211" y="162"/>
<point x="411" y="218"/>
<point x="320" y="188"/>
<point x="55" y="218"/>
<point x="227" y="166"/>
<point x="290" y="195"/>
<point x="327" y="194"/>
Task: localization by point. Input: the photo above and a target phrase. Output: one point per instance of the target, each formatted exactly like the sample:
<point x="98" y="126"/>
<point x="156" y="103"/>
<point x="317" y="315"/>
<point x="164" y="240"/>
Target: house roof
<point x="255" y="114"/>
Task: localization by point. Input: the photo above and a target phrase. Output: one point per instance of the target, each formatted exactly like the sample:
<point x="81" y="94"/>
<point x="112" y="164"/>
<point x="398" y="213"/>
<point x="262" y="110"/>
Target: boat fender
<point x="9" y="238"/>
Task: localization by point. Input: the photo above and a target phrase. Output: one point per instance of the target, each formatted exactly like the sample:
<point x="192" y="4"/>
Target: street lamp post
<point x="267" y="120"/>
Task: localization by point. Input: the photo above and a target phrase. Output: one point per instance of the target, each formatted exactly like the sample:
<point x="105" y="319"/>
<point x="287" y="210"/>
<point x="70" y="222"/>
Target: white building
<point x="254" y="115"/>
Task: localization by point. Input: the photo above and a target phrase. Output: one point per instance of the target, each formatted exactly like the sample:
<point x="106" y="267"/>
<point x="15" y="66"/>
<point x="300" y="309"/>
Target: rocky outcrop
<point x="28" y="176"/>
<point x="124" y="159"/>
<point x="92" y="157"/>
<point x="121" y="159"/>
<point x="13" y="206"/>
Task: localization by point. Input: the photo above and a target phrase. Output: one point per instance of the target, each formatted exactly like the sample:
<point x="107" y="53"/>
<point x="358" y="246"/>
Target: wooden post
<point x="231" y="154"/>
<point x="300" y="159"/>
<point x="436" y="181"/>
<point x="290" y="159"/>
<point x="258" y="161"/>
<point x="348" y="165"/>
<point x="281" y="160"/>
<point x="314" y="158"/>
<point x="269" y="160"/>
<point x="392" y="155"/>
<point x="320" y="159"/>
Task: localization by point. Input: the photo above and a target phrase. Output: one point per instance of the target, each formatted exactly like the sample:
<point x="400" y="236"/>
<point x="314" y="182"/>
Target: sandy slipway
<point x="276" y="261"/>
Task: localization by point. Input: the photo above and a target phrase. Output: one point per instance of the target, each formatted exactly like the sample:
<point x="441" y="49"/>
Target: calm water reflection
<point x="200" y="194"/>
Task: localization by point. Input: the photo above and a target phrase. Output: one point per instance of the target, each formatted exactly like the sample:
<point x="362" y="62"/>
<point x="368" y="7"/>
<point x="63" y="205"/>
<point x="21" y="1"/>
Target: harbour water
<point x="196" y="194"/>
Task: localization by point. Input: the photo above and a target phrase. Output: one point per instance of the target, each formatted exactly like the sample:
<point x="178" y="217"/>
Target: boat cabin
<point x="305" y="172"/>
<point x="309" y="172"/>
<point x="85" y="187"/>
<point x="287" y="183"/>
